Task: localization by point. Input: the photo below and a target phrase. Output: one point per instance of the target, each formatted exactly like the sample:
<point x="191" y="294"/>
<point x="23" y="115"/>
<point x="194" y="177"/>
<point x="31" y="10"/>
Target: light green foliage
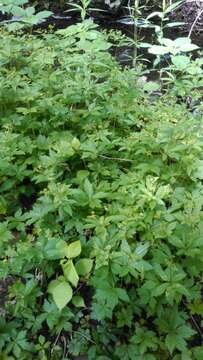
<point x="23" y="16"/>
<point x="101" y="201"/>
<point x="166" y="8"/>
<point x="82" y="7"/>
<point x="174" y="47"/>
<point x="61" y="291"/>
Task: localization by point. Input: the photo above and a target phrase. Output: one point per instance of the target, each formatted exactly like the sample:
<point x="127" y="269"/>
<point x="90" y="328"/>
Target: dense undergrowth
<point x="101" y="205"/>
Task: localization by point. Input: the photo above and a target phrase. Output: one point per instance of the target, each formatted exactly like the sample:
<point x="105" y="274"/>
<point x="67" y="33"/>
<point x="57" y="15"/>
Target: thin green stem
<point x="135" y="53"/>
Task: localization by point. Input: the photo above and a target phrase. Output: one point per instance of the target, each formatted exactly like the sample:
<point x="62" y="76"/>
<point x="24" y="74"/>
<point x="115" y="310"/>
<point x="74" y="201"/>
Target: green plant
<point x="138" y="18"/>
<point x="173" y="47"/>
<point x="22" y="17"/>
<point x="59" y="288"/>
<point x="164" y="18"/>
<point x="186" y="78"/>
<point x="83" y="8"/>
<point x="101" y="201"/>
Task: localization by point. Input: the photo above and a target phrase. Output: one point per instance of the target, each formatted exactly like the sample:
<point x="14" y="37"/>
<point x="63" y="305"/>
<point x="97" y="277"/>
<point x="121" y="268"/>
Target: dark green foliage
<point x="87" y="156"/>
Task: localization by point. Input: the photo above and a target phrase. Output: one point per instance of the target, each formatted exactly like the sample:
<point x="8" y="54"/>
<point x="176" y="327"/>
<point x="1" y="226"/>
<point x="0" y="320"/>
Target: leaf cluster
<point x="101" y="201"/>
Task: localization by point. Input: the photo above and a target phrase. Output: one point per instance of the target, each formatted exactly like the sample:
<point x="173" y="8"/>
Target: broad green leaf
<point x="167" y="42"/>
<point x="44" y="14"/>
<point x="69" y="272"/>
<point x="188" y="47"/>
<point x="61" y="248"/>
<point x="181" y="41"/>
<point x="78" y="301"/>
<point x="84" y="266"/>
<point x="151" y="86"/>
<point x="18" y="11"/>
<point x="75" y="143"/>
<point x="181" y="62"/>
<point x="29" y="11"/>
<point x="184" y="44"/>
<point x="73" y="250"/>
<point x="16" y="2"/>
<point x="54" y="283"/>
<point x="70" y="251"/>
<point x="158" y="50"/>
<point x="62" y="293"/>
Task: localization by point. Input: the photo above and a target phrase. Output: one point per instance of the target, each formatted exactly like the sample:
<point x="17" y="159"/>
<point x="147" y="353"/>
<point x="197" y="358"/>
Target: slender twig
<point x="55" y="342"/>
<point x="81" y="286"/>
<point x="115" y="158"/>
<point x="64" y="346"/>
<point x="194" y="23"/>
<point x="136" y="9"/>
<point x="196" y="325"/>
<point x="194" y="322"/>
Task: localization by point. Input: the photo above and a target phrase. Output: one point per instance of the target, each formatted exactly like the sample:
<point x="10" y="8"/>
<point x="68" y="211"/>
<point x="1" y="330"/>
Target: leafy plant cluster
<point x="100" y="204"/>
<point x="23" y="15"/>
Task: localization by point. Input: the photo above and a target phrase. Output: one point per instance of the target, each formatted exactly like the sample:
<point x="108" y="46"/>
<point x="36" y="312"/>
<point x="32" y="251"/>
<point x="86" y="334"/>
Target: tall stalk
<point x="135" y="16"/>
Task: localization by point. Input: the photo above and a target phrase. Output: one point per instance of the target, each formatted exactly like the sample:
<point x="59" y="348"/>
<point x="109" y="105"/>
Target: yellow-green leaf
<point x="62" y="248"/>
<point x="84" y="266"/>
<point x="73" y="250"/>
<point x="75" y="143"/>
<point x="70" y="272"/>
<point x="62" y="293"/>
<point x="78" y="301"/>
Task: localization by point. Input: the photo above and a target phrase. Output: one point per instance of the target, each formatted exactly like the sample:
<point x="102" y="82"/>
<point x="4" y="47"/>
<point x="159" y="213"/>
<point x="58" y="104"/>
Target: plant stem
<point x="136" y="7"/>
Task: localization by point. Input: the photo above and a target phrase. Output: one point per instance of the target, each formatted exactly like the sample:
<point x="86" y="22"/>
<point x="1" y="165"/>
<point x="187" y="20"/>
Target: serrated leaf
<point x="88" y="188"/>
<point x="142" y="249"/>
<point x="196" y="308"/>
<point x="180" y="61"/>
<point x="159" y="290"/>
<point x="170" y="342"/>
<point x="122" y="294"/>
<point x="186" y="331"/>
